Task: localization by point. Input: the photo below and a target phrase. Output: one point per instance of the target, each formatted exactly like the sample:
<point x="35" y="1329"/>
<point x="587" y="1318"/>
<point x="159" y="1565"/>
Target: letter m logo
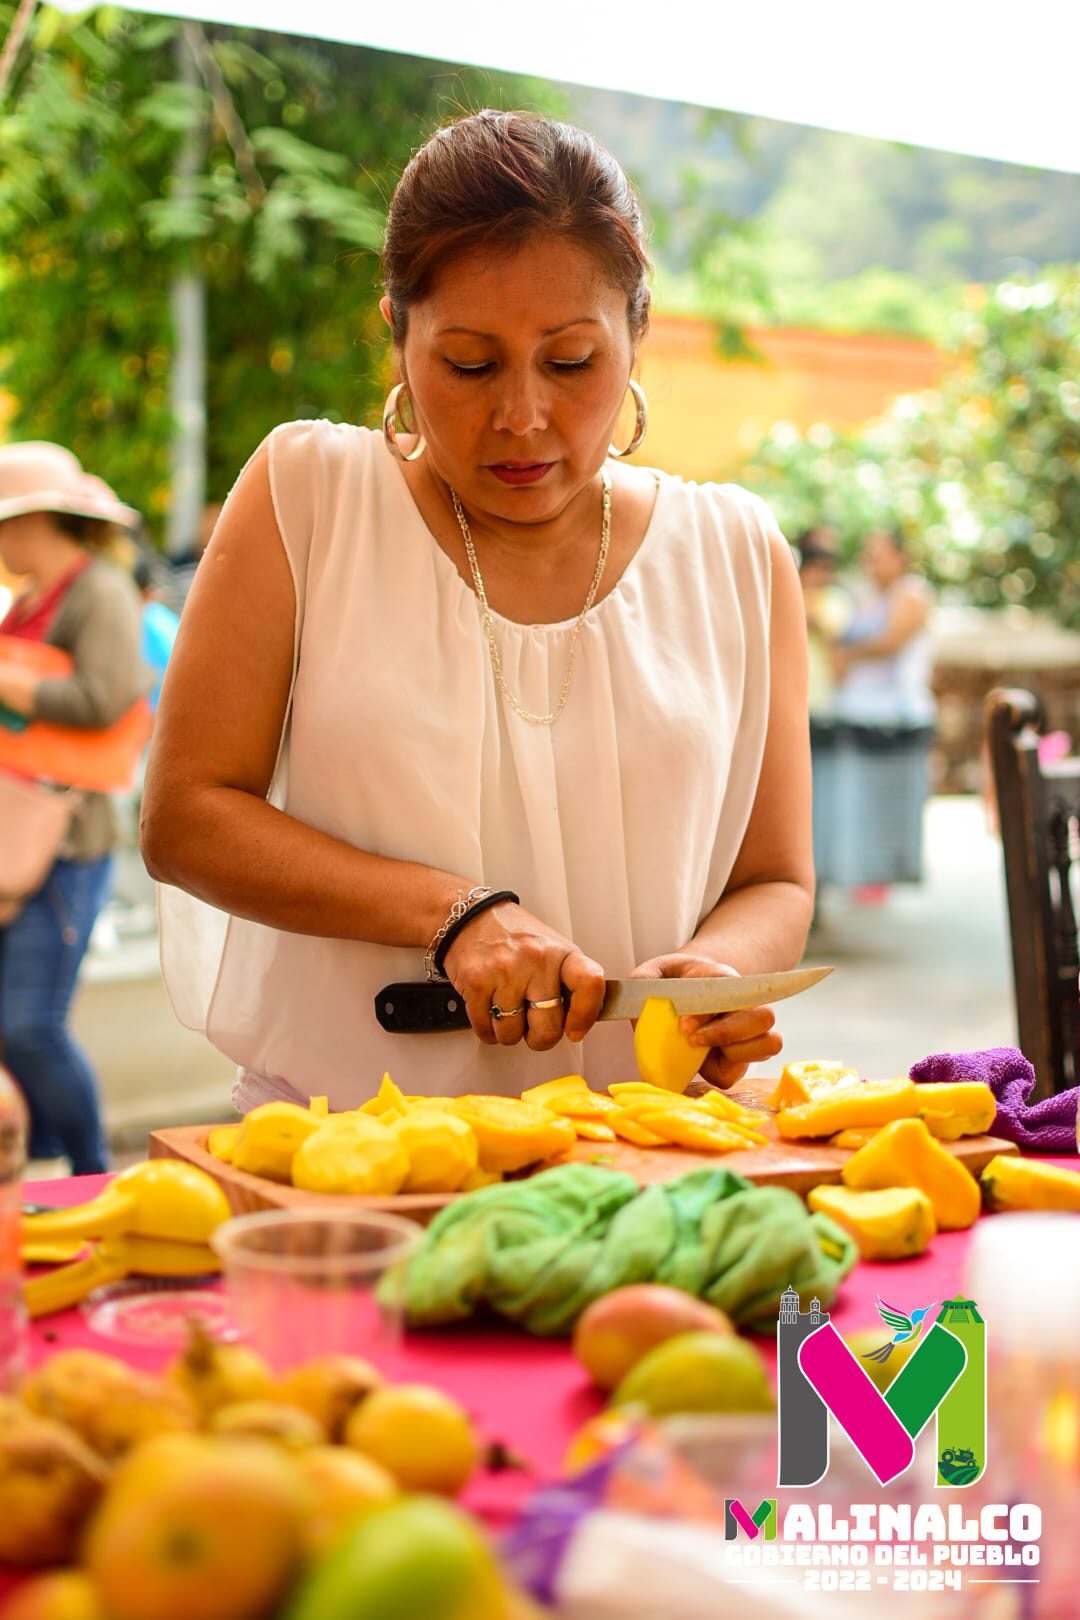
<point x="761" y="1522"/>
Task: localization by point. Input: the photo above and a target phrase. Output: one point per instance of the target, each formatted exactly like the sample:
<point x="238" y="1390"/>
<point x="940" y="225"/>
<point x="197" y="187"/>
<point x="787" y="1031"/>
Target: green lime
<point x="420" y="1556"/>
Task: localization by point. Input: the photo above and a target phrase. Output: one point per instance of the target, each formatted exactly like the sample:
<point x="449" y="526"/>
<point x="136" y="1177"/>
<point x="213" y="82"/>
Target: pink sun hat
<point x="41" y="477"/>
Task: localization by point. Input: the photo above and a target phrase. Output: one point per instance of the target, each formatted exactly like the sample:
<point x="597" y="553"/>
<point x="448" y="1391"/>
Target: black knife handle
<point x="420" y="1008"/>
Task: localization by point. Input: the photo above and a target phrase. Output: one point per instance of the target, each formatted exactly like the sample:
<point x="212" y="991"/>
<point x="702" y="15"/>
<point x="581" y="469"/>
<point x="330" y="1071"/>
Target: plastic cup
<point x="307" y="1282"/>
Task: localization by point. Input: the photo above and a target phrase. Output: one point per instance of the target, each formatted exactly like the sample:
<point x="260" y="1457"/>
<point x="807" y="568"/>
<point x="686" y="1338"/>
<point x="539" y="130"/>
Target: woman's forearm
<point x="244" y="856"/>
<point x="760" y="928"/>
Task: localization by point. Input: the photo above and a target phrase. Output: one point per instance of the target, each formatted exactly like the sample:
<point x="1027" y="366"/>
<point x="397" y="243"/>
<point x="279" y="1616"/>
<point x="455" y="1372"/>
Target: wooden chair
<point x="1039" y="816"/>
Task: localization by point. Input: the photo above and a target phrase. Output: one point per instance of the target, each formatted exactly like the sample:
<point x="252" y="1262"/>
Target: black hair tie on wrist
<point x="474" y="910"/>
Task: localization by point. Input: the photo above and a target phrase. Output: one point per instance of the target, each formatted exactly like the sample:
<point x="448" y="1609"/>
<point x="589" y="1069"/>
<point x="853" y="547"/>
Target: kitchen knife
<point x="422" y="1008"/>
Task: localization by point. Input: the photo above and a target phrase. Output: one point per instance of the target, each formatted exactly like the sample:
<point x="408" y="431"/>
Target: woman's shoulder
<point x="321" y="441"/>
<point x="729" y="508"/>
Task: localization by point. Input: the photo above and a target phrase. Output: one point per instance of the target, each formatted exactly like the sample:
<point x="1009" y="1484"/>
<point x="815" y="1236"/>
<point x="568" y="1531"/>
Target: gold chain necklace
<point x="489" y="622"/>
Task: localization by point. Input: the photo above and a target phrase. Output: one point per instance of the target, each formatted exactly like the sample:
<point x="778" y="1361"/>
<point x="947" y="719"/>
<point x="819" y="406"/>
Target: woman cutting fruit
<point x="473" y="695"/>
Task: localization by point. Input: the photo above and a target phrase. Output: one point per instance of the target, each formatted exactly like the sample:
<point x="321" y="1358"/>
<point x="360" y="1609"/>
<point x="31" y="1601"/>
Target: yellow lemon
<point x="424" y="1438"/>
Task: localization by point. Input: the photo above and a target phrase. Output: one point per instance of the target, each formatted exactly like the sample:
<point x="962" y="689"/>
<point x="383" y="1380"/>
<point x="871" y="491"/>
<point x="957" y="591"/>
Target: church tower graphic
<point x="804" y="1419"/>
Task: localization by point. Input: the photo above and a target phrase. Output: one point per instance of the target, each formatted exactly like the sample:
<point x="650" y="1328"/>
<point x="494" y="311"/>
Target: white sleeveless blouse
<point x="618" y="825"/>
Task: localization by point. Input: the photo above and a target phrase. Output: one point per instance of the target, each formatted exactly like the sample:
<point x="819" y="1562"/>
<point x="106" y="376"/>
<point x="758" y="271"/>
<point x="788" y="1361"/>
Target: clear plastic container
<point x="13" y="1335"/>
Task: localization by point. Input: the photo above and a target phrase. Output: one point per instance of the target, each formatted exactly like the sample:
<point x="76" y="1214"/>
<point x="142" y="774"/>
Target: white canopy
<point x="994" y="78"/>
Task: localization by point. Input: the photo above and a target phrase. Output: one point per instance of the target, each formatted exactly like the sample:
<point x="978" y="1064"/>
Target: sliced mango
<point x="222" y="1140"/>
<point x="686" y="1130"/>
<point x="351" y="1154"/>
<point x="510" y="1133"/>
<point x="872" y="1102"/>
<point x="957" y="1108"/>
<point x="856" y="1137"/>
<point x="904" y="1154"/>
<point x="269" y="1138"/>
<point x="551" y="1090"/>
<point x="389" y="1100"/>
<point x="800" y="1081"/>
<point x="888" y="1223"/>
<point x="441" y="1148"/>
<point x="628" y="1130"/>
<point x="1010" y="1182"/>
<point x="664" y="1055"/>
<point x="591" y="1130"/>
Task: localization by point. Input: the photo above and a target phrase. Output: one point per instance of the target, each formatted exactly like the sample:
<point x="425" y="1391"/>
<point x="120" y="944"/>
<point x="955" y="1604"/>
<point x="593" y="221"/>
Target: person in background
<point x="883" y="662"/>
<point x="159" y="622"/>
<point x="61" y="536"/>
<point x="828" y="611"/>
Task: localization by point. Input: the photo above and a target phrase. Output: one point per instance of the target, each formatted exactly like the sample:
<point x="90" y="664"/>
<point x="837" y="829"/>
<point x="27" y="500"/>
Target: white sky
<point x="989" y="77"/>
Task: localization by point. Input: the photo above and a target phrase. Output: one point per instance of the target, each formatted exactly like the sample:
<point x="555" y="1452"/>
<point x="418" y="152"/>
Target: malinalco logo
<point x="944" y="1377"/>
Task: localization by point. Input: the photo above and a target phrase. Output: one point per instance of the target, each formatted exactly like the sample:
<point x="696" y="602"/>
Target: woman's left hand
<point x="737" y="1039"/>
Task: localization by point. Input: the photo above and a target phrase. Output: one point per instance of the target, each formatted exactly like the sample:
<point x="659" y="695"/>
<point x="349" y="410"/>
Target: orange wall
<point x="706" y="412"/>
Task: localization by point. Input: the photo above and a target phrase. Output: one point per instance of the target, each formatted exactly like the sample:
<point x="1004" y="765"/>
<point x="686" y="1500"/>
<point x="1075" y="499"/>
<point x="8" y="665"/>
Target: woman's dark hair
<point x="96" y="534"/>
<point x="497" y="179"/>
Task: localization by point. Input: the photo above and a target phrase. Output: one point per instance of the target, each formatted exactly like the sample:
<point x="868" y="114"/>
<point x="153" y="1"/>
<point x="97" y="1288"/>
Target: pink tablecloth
<point x="531" y="1393"/>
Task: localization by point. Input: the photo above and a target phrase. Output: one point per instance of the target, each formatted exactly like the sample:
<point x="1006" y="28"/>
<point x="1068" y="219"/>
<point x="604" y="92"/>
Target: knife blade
<point x="419" y="1007"/>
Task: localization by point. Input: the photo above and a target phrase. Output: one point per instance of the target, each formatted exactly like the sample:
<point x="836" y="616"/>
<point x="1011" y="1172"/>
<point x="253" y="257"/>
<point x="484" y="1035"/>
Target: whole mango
<point x="698" y="1372"/>
<point x="617" y="1329"/>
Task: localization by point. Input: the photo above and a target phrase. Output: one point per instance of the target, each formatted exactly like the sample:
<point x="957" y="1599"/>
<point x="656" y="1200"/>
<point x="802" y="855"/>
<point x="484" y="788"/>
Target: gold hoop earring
<point x="641" y="421"/>
<point x="390" y="431"/>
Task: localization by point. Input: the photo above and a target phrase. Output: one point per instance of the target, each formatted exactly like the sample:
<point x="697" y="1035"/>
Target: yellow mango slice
<point x="589" y="1130"/>
<point x="1010" y="1182"/>
<point x="888" y="1223"/>
<point x="553" y="1089"/>
<point x="856" y="1137"/>
<point x="357" y="1155"/>
<point x="904" y="1154"/>
<point x="665" y="1057"/>
<point x="222" y="1141"/>
<point x="479" y="1178"/>
<point x="388" y="1100"/>
<point x="441" y="1148"/>
<point x="269" y="1138"/>
<point x="799" y="1081"/>
<point x="510" y="1133"/>
<point x="628" y="1130"/>
<point x="958" y="1108"/>
<point x="684" y="1130"/>
<point x="872" y="1102"/>
<point x="319" y="1106"/>
<point x="591" y="1105"/>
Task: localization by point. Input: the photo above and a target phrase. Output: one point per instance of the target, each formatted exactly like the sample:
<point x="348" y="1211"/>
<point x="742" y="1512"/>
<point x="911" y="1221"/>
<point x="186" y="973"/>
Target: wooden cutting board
<point x="799" y="1165"/>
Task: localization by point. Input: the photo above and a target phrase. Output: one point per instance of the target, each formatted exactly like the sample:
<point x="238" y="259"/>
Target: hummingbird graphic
<point x="904" y="1328"/>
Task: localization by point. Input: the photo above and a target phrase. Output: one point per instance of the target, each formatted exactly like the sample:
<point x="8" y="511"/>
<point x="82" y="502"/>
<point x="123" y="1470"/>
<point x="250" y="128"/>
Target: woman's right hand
<point x="507" y="958"/>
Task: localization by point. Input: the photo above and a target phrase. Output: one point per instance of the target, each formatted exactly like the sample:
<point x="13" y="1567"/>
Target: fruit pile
<point x="901" y="1185"/>
<point x="399" y="1144"/>
<point x="658" y="1351"/>
<point x="217" y="1490"/>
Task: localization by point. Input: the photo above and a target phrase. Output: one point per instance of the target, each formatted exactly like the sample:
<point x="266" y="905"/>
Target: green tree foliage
<point x="983" y="473"/>
<point x="303" y="141"/>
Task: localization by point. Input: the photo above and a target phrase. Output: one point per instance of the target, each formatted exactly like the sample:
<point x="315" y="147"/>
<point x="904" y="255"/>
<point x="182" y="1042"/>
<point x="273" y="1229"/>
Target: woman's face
<point x="517" y="364"/>
<point x="881" y="560"/>
<point x="22" y="540"/>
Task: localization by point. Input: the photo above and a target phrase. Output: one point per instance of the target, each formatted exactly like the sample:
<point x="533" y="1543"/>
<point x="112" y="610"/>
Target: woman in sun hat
<point x="62" y="535"/>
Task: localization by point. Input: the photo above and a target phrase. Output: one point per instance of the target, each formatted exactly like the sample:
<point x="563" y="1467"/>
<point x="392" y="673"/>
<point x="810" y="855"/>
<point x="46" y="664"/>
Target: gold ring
<point x="506" y="1012"/>
<point x="552" y="1001"/>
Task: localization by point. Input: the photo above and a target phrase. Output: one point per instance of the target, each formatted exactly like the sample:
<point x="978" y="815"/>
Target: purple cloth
<point x="1043" y="1127"/>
